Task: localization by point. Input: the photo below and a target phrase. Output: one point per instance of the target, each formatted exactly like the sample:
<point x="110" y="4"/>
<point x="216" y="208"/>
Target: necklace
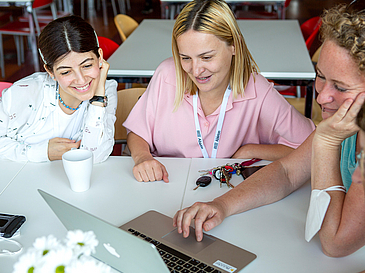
<point x="64" y="104"/>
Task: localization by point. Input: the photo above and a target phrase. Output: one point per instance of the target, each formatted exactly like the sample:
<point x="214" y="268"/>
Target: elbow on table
<point x="336" y="250"/>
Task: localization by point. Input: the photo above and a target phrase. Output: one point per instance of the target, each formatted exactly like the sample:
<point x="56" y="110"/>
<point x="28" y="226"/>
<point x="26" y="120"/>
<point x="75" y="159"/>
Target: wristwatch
<point x="99" y="101"/>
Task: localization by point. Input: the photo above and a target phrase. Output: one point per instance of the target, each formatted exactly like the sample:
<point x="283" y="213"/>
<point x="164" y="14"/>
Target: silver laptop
<point x="149" y="243"/>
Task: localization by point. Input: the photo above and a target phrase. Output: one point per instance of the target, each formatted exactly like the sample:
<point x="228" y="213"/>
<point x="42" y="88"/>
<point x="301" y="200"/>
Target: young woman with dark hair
<point x="72" y="105"/>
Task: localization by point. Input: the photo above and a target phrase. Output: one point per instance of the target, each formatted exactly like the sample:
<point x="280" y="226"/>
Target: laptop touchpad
<point x="190" y="243"/>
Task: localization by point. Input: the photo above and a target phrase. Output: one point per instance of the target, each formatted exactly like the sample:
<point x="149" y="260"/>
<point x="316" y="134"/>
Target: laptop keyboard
<point x="175" y="260"/>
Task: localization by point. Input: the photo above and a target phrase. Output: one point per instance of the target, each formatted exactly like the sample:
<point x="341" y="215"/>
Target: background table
<point x="274" y="232"/>
<point x="277" y="46"/>
<point x="169" y="7"/>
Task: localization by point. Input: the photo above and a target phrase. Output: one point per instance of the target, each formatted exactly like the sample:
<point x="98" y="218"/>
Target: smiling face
<point x="206" y="59"/>
<point x="78" y="76"/>
<point x="338" y="78"/>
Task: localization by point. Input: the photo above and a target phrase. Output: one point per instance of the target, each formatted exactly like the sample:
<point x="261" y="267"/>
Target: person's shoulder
<point x="34" y="78"/>
<point x="260" y="84"/>
<point x="258" y="79"/>
<point x="166" y="67"/>
<point x="27" y="91"/>
<point x="165" y="73"/>
<point x="32" y="82"/>
<point x="167" y="63"/>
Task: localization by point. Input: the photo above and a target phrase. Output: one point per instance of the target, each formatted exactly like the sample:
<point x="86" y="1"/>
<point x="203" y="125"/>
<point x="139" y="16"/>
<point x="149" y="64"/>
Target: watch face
<point x="101" y="99"/>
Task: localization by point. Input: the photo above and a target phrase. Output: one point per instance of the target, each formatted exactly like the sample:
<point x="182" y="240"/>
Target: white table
<point x="9" y="171"/>
<point x="169" y="8"/>
<point x="277" y="46"/>
<point x="114" y="196"/>
<point x="274" y="232"/>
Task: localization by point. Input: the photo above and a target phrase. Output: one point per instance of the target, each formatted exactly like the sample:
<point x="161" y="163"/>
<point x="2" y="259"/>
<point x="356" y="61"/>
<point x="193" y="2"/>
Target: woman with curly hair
<point x="327" y="157"/>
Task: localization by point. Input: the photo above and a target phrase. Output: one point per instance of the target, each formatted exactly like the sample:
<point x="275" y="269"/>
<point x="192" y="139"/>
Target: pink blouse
<point x="260" y="116"/>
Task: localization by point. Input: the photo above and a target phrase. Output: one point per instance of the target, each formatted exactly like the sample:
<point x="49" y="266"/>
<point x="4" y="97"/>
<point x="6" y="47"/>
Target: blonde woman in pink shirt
<point x="209" y="100"/>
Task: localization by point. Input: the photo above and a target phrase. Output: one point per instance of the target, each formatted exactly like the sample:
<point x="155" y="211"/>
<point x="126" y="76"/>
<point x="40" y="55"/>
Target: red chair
<point x="48" y="15"/>
<point x="20" y="29"/>
<point x="4" y="85"/>
<point x="268" y="15"/>
<point x="310" y="29"/>
<point x="108" y="46"/>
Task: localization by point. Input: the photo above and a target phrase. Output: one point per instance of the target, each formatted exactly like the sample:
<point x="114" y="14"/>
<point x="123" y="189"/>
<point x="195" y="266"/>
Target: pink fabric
<point x="4" y="85"/>
<point x="260" y="116"/>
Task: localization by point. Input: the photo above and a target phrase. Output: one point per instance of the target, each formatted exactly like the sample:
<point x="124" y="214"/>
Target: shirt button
<point x="206" y="124"/>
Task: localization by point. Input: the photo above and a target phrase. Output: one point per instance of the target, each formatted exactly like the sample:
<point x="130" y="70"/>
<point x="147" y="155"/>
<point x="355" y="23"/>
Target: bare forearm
<point x="138" y="146"/>
<point x="266" y="186"/>
<point x="272" y="182"/>
<point x="342" y="230"/>
<point x="270" y="152"/>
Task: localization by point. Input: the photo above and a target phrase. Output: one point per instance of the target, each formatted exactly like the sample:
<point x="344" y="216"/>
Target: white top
<point x="64" y="121"/>
<point x="28" y="120"/>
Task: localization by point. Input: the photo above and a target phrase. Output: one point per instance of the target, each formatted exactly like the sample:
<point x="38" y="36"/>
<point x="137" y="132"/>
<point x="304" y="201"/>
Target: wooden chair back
<point x="125" y="25"/>
<point x="127" y="98"/>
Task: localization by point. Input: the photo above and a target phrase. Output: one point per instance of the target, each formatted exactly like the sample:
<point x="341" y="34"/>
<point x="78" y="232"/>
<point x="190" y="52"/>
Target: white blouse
<point x="29" y="119"/>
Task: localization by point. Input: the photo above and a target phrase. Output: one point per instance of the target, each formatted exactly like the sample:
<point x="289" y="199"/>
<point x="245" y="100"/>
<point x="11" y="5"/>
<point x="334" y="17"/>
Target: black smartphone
<point x="247" y="171"/>
<point x="9" y="224"/>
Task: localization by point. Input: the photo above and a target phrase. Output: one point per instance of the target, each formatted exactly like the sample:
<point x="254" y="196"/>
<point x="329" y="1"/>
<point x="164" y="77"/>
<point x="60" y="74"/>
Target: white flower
<point x="49" y="255"/>
<point x="46" y="244"/>
<point x="81" y="242"/>
<point x="86" y="265"/>
<point x="27" y="261"/>
<point x="55" y="260"/>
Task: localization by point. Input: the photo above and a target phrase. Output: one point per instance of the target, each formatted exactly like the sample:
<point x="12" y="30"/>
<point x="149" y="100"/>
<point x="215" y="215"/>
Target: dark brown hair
<point x="66" y="34"/>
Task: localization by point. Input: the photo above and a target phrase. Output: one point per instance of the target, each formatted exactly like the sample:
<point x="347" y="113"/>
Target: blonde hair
<point x="212" y="17"/>
<point x="347" y="29"/>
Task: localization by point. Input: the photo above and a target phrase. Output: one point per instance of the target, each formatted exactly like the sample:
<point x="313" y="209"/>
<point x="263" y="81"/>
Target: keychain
<point x="223" y="173"/>
<point x="203" y="181"/>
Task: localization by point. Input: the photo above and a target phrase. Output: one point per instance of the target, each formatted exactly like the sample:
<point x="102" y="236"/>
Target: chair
<point x="315" y="56"/>
<point x="268" y="15"/>
<point x="43" y="11"/>
<point x="125" y="25"/>
<point x="47" y="16"/>
<point x="127" y="98"/>
<point x="23" y="28"/>
<point x="310" y="29"/>
<point x="108" y="46"/>
<point x="4" y="85"/>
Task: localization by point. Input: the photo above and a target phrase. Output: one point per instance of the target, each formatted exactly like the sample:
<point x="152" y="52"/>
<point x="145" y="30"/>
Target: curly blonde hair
<point x="347" y="29"/>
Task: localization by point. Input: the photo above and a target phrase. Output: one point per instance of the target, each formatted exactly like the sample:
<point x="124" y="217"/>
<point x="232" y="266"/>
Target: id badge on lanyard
<point x="219" y="124"/>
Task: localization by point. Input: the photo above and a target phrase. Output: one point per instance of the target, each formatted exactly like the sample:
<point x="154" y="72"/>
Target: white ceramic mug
<point x="78" y="165"/>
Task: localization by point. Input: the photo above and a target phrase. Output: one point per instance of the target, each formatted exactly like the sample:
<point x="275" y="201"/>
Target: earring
<point x="101" y="64"/>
